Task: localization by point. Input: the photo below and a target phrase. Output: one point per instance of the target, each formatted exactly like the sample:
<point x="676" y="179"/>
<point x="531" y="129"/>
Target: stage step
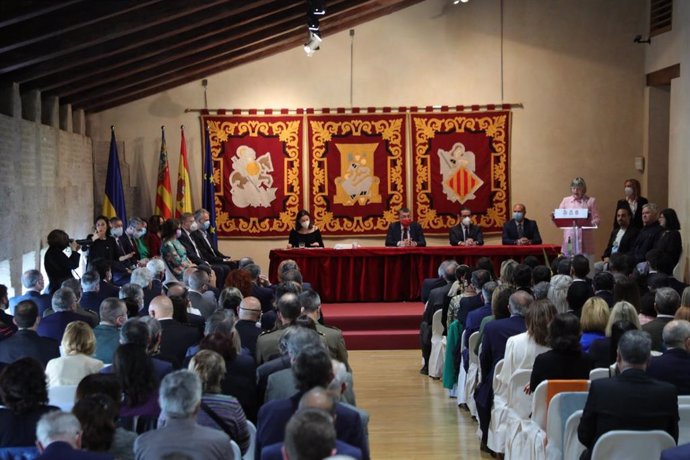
<point x="382" y="340"/>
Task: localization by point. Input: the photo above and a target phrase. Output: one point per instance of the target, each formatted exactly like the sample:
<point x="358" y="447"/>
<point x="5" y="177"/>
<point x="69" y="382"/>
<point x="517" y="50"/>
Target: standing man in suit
<point x="629" y="401"/>
<point x="674" y="365"/>
<point x="175" y="336"/>
<point x="26" y="342"/>
<point x="520" y="230"/>
<point x="32" y="280"/>
<point x="405" y="232"/>
<point x="666" y="302"/>
<point x="465" y="233"/>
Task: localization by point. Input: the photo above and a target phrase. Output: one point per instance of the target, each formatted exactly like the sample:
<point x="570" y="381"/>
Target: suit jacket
<point x="281" y="385"/>
<point x="607" y="296"/>
<point x="627" y="242"/>
<point x="530" y="230"/>
<point x="394" y="234"/>
<point x="629" y="401"/>
<point x="176" y="338"/>
<point x="655" y="328"/>
<point x="25" y="342"/>
<point x="206" y="249"/>
<point x="240" y="382"/>
<point x="265" y="296"/>
<point x="335" y="342"/>
<point x="560" y="365"/>
<point x="191" y="248"/>
<point x="679" y="286"/>
<point x="274" y="415"/>
<point x="186" y="437"/>
<point x="274" y="452"/>
<point x="42" y="301"/>
<point x="249" y="333"/>
<point x="456" y="235"/>
<point x="54" y="325"/>
<point x="125" y="245"/>
<point x="645" y="241"/>
<point x="91" y="301"/>
<point x="59" y="450"/>
<point x="636" y="220"/>
<point x="266" y="369"/>
<point x="267" y="345"/>
<point x="430" y="284"/>
<point x="107" y="341"/>
<point x="681" y="452"/>
<point x="202" y="302"/>
<point x="672" y="367"/>
<point x="9" y="327"/>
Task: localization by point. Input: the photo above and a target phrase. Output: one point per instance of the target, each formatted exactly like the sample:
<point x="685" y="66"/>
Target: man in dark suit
<point x="603" y="283"/>
<point x="208" y="250"/>
<point x="26" y="342"/>
<point x="432" y="283"/>
<point x="622" y="239"/>
<point x="666" y="302"/>
<point x="32" y="280"/>
<point x="474" y="319"/>
<point x="65" y="307"/>
<point x="465" y="233"/>
<point x="188" y="226"/>
<point x="90" y="285"/>
<point x="58" y="436"/>
<point x="125" y="248"/>
<point x="520" y="230"/>
<point x="649" y="235"/>
<point x="631" y="400"/>
<point x="260" y="289"/>
<point x="405" y="232"/>
<point x="201" y="299"/>
<point x="175" y="337"/>
<point x="249" y="315"/>
<point x="312" y="368"/>
<point x="674" y="365"/>
<point x="496" y="335"/>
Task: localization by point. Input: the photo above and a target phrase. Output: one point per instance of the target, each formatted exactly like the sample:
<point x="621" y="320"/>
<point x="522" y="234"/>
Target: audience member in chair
<point x="631" y="400"/>
<point x="431" y="283"/>
<point x="59" y="436"/>
<point x="201" y="299"/>
<point x="248" y="326"/>
<point x="603" y="351"/>
<point x="24" y="396"/>
<point x="7" y="326"/>
<point x="176" y="337"/>
<point x="26" y="342"/>
<point x="33" y="283"/>
<point x="78" y="344"/>
<point x="666" y="302"/>
<point x="289" y="309"/>
<point x="475" y="317"/>
<point x="674" y="365"/>
<point x="113" y="313"/>
<point x="311" y="306"/>
<point x="180" y="399"/>
<point x="135" y="374"/>
<point x="65" y="306"/>
<point x="97" y="414"/>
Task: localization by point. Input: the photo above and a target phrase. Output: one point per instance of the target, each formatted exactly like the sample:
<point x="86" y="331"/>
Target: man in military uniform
<point x="289" y="309"/>
<point x="310" y="302"/>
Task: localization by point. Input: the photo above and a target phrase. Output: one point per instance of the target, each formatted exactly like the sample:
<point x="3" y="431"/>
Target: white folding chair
<point x="599" y="373"/>
<point x="507" y="415"/>
<point x="462" y="375"/>
<point x="626" y="445"/>
<point x="561" y="407"/>
<point x="539" y="405"/>
<point x="472" y="374"/>
<point x="437" y="358"/>
<point x="518" y="400"/>
<point x="572" y="447"/>
<point x="236" y="451"/>
<point x="684" y="424"/>
<point x="683" y="399"/>
<point x="252" y="441"/>
<point x="62" y="396"/>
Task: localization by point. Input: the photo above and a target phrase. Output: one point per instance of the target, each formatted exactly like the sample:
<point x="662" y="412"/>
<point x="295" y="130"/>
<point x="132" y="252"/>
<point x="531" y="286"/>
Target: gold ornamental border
<point x="289" y="133"/>
<point x="389" y="130"/>
<point x="496" y="126"/>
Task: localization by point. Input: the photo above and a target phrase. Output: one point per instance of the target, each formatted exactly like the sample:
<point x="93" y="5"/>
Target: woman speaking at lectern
<point x="578" y="199"/>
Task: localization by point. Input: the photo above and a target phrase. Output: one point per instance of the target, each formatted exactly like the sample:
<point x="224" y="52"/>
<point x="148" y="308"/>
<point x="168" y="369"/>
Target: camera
<point x="84" y="243"/>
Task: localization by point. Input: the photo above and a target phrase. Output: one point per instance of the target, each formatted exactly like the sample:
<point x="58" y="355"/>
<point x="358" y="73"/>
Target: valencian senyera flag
<point x="163" y="190"/>
<point x="209" y="190"/>
<point x="114" y="200"/>
<point x="184" y="190"/>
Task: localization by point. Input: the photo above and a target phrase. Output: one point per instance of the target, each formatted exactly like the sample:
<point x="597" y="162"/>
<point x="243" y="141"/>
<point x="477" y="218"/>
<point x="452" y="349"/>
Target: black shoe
<point x="484" y="448"/>
<point x="424" y="370"/>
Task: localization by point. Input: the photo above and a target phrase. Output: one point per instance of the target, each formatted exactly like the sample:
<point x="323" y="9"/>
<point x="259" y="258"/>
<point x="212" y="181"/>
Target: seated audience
<point x="522" y="278"/>
<point x="670" y="242"/>
<point x="90" y="285"/>
<point x="499" y="309"/>
<point x="230" y="299"/>
<point x="260" y="287"/>
<point x="91" y="317"/>
<point x="602" y="284"/>
<point x="558" y="292"/>
<point x="200" y="298"/>
<point x="626" y="289"/>
<point x="218" y="410"/>
<point x="24" y="396"/>
<point x="180" y="399"/>
<point x="475" y="317"/>
<point x="64" y="304"/>
<point x="106" y="288"/>
<point x="666" y="302"/>
<point x="97" y="414"/>
<point x="565" y="360"/>
<point x="674" y="365"/>
<point x="506" y="272"/>
<point x="26" y="342"/>
<point x="593" y="321"/>
<point x="133" y="297"/>
<point x="153" y="235"/>
<point x="289" y="309"/>
<point x="602" y="351"/>
<point x="631" y="400"/>
<point x="176" y="337"/>
<point x="113" y="314"/>
<point x="577" y="295"/>
<point x="32" y="280"/>
<point x="623" y="235"/>
<point x="59" y="436"/>
<point x="172" y="251"/>
<point x="7" y="326"/>
<point x="248" y="326"/>
<point x="541" y="273"/>
<point x="311" y="306"/>
<point x="78" y="344"/>
<point x="137" y="378"/>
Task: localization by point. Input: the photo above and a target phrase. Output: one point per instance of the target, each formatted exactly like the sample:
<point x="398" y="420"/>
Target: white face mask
<point x="305" y="224"/>
<point x="628" y="191"/>
<point x="466" y="221"/>
<point x="116" y="232"/>
<point x="194" y="227"/>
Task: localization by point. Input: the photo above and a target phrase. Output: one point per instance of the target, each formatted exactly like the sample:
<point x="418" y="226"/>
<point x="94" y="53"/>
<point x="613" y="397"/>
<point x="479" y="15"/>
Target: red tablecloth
<point x="383" y="274"/>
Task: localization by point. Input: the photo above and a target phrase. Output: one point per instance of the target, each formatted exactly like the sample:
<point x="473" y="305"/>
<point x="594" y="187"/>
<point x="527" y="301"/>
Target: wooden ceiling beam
<point x="15" y="12"/>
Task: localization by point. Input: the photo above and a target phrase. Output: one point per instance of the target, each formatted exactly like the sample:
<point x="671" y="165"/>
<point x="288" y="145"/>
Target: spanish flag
<point x="114" y="200"/>
<point x="184" y="191"/>
<point x="163" y="190"/>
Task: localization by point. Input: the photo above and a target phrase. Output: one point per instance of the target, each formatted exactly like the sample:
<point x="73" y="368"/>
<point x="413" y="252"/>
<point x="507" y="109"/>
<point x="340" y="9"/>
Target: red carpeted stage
<point x="376" y="326"/>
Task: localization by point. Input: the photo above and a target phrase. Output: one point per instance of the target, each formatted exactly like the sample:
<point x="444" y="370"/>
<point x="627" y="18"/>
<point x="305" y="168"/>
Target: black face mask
<point x="450" y="278"/>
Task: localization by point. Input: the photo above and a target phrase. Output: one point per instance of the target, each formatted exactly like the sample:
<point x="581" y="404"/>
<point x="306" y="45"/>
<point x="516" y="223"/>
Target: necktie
<point x="406" y="233"/>
<point x="521" y="232"/>
<point x="464" y="233"/>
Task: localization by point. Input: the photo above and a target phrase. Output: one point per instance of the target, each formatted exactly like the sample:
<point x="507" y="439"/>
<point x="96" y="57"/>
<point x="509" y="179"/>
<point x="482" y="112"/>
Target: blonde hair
<point x="685" y="298"/>
<point x="210" y="367"/>
<point x="683" y="312"/>
<point x="78" y="338"/>
<point x="595" y="315"/>
<point x="622" y="311"/>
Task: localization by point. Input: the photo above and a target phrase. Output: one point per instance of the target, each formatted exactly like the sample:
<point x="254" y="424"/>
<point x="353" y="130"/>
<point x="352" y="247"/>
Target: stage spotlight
<point x="312" y="22"/>
<point x="313" y="44"/>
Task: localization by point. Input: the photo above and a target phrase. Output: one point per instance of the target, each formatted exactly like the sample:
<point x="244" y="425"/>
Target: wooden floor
<point x="411" y="415"/>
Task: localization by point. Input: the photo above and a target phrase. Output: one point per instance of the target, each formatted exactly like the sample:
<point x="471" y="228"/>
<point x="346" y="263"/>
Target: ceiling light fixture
<point x="313" y="44"/>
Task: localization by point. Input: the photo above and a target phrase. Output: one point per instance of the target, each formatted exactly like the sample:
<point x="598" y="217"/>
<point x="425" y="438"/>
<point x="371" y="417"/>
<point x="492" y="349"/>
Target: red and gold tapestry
<point x="357" y="172"/>
<point x="460" y="159"/>
<point x="258" y="172"/>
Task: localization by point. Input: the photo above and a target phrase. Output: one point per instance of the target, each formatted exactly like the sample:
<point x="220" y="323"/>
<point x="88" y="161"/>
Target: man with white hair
<point x="58" y="436"/>
<point x="145" y="278"/>
<point x="90" y="291"/>
<point x="180" y="400"/>
<point x="33" y="283"/>
<point x="666" y="302"/>
<point x="674" y="365"/>
<point x="65" y="307"/>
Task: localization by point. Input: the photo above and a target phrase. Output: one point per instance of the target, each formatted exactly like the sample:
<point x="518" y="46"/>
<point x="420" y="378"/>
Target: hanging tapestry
<point x="357" y="172"/>
<point x="460" y="159"/>
<point x="258" y="173"/>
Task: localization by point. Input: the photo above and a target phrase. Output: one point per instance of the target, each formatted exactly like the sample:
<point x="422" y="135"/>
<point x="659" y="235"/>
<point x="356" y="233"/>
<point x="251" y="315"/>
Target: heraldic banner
<point x="257" y="172"/>
<point x="357" y="172"/>
<point x="460" y="159"/>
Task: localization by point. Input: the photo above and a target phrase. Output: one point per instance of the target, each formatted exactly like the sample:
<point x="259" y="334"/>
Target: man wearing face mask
<point x="204" y="244"/>
<point x="124" y="246"/>
<point x="520" y="230"/>
<point x="135" y="232"/>
<point x="405" y="232"/>
<point x="195" y="251"/>
<point x="466" y="233"/>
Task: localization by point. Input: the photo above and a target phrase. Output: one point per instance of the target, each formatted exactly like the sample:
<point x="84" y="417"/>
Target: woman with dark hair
<point x="153" y="235"/>
<point x="305" y="233"/>
<point x="104" y="247"/>
<point x="7" y="326"/>
<point x="210" y="367"/>
<point x="632" y="201"/>
<point x="565" y="360"/>
<point x="499" y="308"/>
<point x="172" y="251"/>
<point x="57" y="263"/>
<point x="98" y="414"/>
<point x="24" y="395"/>
<point x="670" y="242"/>
<point x="628" y="290"/>
<point x="240" y="375"/>
<point x="240" y="279"/>
<point x="135" y="373"/>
